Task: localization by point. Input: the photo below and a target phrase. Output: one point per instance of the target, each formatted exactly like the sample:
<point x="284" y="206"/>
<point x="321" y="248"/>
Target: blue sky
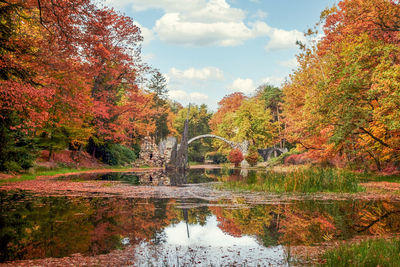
<point x="211" y="48"/>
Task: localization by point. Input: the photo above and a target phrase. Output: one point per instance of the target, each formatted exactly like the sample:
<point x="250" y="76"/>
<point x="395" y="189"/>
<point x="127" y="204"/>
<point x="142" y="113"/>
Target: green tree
<point x="199" y="118"/>
<point x="254" y="123"/>
<point x="158" y="86"/>
<point x="272" y="97"/>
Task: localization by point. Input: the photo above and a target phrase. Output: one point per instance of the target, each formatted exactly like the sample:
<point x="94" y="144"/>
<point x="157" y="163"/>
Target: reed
<point x="377" y="252"/>
<point x="309" y="180"/>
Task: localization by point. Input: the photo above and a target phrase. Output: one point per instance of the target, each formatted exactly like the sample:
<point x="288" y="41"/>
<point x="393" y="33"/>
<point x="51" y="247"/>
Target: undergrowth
<point x="378" y="252"/>
<point x="302" y="180"/>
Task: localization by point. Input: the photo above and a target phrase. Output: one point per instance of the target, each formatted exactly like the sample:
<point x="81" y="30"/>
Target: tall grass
<point x="378" y="252"/>
<point x="302" y="180"/>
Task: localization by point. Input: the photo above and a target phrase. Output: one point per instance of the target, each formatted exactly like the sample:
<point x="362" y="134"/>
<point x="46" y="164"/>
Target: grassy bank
<point x="395" y="178"/>
<point x="302" y="180"/>
<point x="51" y="172"/>
<point x="367" y="253"/>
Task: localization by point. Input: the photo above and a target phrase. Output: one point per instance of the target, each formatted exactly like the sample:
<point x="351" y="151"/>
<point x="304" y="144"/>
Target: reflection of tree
<point x="177" y="178"/>
<point x="196" y="176"/>
<point x="43" y="228"/>
<point x="60" y="226"/>
<point x="196" y="215"/>
<point x="257" y="220"/>
<point x="377" y="218"/>
<point x="305" y="227"/>
<point x="310" y="222"/>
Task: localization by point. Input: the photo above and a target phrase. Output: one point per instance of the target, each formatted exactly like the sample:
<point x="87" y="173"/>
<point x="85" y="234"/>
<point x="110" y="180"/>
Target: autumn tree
<point x="254" y="123"/>
<point x="239" y="119"/>
<point x="39" y="71"/>
<point x="343" y="99"/>
<point x="221" y="121"/>
<point x="235" y="156"/>
<point x="229" y="103"/>
<point x="69" y="72"/>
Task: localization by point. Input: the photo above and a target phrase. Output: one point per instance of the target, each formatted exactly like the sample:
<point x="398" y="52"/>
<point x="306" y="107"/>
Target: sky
<point x="208" y="49"/>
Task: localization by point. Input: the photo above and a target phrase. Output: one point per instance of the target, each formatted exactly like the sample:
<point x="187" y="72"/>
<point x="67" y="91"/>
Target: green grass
<point x="379" y="178"/>
<point x="378" y="252"/>
<point x="51" y="172"/>
<point x="303" y="180"/>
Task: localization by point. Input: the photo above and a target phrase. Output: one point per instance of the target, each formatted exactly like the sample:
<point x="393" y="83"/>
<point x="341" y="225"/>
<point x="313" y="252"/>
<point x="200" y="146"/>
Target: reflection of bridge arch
<point x="243" y="147"/>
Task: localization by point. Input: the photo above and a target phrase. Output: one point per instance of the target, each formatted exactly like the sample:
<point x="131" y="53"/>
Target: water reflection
<point x="207" y="245"/>
<point x="41" y="227"/>
<point x="151" y="178"/>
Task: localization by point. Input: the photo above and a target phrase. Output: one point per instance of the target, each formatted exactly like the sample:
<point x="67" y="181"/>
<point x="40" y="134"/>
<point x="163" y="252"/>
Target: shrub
<point x="252" y="158"/>
<point x="17" y="150"/>
<point x="195" y="156"/>
<point x="235" y="156"/>
<point x="281" y="159"/>
<point x="217" y="158"/>
<point x="297" y="159"/>
<point x="115" y="154"/>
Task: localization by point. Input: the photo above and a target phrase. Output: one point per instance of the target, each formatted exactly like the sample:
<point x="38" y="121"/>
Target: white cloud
<point x="260" y="14"/>
<point x="273" y="80"/>
<point x="207" y="73"/>
<point x="209" y="22"/>
<point x="177" y="94"/>
<point x="146" y="33"/>
<point x="215" y="23"/>
<point x="171" y="28"/>
<point x="167" y="5"/>
<point x="290" y="63"/>
<point x="215" y="11"/>
<point x="148" y="57"/>
<point x="196" y="96"/>
<point x="118" y="4"/>
<point x="180" y="95"/>
<point x="167" y="78"/>
<point x="282" y="39"/>
<point x="245" y="86"/>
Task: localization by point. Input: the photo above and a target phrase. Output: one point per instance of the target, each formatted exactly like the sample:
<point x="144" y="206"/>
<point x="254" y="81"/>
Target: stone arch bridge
<point x="243" y="146"/>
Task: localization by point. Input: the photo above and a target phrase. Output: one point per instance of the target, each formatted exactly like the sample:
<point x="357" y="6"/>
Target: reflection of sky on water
<point x="206" y="235"/>
<point x="207" y="245"/>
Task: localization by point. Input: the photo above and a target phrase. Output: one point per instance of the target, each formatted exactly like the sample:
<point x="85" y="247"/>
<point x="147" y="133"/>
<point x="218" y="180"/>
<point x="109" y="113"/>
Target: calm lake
<point x="180" y="232"/>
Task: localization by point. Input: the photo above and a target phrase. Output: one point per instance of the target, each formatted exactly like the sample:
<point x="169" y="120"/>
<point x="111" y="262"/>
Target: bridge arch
<point x="243" y="147"/>
<point x="211" y="136"/>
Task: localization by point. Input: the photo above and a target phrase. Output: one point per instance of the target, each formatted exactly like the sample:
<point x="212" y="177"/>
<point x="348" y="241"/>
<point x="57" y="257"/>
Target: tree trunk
<point x="50" y="153"/>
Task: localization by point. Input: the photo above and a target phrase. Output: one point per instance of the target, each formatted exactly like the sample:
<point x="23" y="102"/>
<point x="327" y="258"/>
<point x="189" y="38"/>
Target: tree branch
<point x="376" y="138"/>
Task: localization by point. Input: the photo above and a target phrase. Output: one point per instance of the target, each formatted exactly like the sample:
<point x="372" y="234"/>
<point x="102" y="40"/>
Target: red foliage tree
<point x="235" y="156"/>
<point x="69" y="71"/>
<point x="229" y="103"/>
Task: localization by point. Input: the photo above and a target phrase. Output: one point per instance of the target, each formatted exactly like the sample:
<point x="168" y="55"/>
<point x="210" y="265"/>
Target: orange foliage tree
<point x="342" y="102"/>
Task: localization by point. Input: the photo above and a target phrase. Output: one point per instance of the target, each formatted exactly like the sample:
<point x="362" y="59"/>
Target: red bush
<point x="235" y="156"/>
<point x="297" y="159"/>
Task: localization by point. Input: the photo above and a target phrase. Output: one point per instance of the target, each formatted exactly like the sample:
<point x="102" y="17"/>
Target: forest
<point x="306" y="173"/>
<point x="72" y="78"/>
